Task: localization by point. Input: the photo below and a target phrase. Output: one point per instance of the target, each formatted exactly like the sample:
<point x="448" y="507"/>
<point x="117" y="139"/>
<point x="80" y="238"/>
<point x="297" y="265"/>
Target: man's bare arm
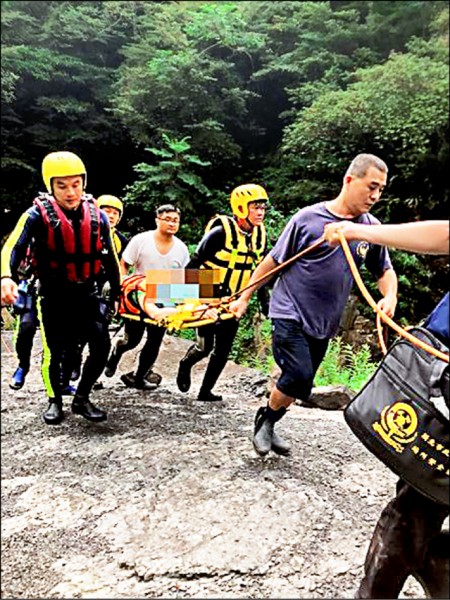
<point x="427" y="237"/>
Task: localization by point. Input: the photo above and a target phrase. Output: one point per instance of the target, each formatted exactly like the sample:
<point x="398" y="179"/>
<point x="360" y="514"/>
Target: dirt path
<point x="169" y="500"/>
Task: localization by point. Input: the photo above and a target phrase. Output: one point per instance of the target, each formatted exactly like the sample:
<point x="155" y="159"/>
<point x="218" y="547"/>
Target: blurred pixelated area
<point x="174" y="286"/>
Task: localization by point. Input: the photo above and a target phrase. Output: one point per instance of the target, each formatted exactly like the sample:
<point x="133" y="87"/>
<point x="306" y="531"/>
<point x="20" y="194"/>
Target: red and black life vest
<point x="73" y="252"/>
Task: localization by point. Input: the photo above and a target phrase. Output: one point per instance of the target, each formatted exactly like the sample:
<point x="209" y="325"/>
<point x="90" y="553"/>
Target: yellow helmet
<point x="242" y="196"/>
<point x="111" y="201"/>
<point x="61" y="164"/>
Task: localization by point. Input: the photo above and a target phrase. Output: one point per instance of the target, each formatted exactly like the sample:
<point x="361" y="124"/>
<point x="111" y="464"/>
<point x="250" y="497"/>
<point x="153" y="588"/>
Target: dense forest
<point x="182" y="101"/>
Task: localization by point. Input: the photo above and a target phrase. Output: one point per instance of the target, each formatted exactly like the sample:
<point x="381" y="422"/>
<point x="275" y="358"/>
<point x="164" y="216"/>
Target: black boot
<point x="208" y="396"/>
<point x="54" y="413"/>
<point x="264" y="437"/>
<point x="139" y="383"/>
<point x="113" y="363"/>
<point x="18" y="379"/>
<point x="153" y="378"/>
<point x="280" y="446"/>
<point x="81" y="405"/>
<point x="192" y="356"/>
<point x="212" y="374"/>
<point x="184" y="376"/>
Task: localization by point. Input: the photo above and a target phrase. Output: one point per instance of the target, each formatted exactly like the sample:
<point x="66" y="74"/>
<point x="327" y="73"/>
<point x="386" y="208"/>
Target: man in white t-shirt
<point x="150" y="250"/>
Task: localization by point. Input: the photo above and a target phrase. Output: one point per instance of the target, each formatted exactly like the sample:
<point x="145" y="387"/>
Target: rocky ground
<point x="167" y="499"/>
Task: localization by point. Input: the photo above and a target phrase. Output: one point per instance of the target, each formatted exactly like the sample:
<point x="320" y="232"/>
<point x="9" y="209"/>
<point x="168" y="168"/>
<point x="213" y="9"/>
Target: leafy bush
<point x="343" y="365"/>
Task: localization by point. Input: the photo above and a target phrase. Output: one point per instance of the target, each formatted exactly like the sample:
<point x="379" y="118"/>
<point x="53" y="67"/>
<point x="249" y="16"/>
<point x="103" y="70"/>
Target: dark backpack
<point x="396" y="415"/>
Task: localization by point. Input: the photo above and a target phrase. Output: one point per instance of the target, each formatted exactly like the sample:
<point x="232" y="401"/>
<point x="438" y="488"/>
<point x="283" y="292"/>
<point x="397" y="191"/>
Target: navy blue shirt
<point x="438" y="321"/>
<point x="315" y="288"/>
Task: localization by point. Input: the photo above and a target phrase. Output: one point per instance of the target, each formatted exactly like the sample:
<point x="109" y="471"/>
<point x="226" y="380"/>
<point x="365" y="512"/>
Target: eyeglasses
<point x="169" y="219"/>
<point x="258" y="205"/>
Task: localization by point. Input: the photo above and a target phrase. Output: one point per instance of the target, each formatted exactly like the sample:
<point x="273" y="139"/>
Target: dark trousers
<point x="27" y="324"/>
<point x="407" y="541"/>
<point x="217" y="338"/>
<point x="134" y="330"/>
<point x="298" y="355"/>
<point x="68" y="315"/>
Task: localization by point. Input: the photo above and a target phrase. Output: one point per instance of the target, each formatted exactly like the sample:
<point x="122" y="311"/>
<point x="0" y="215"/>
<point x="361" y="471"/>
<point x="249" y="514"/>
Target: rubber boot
<point x="81" y="405"/>
<point x="208" y="396"/>
<point x="113" y="363"/>
<point x="192" y="356"/>
<point x="54" y="413"/>
<point x="263" y="435"/>
<point x="132" y="381"/>
<point x="18" y="379"/>
<point x="280" y="446"/>
<point x="153" y="378"/>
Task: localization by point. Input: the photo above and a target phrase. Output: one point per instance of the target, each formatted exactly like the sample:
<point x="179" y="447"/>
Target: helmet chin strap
<point x="245" y="224"/>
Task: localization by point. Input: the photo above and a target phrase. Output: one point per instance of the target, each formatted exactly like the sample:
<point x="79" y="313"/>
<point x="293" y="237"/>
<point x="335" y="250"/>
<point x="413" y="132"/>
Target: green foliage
<point x="343" y="365"/>
<point x="252" y="341"/>
<point x="185" y="334"/>
<point x="171" y="179"/>
<point x="58" y="60"/>
<point x="9" y="320"/>
<point x="422" y="281"/>
<point x="179" y="75"/>
<point x="274" y="221"/>
<point x="398" y="110"/>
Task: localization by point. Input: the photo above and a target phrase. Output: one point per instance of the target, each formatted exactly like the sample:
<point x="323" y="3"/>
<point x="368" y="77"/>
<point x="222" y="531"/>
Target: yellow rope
<point x="413" y="339"/>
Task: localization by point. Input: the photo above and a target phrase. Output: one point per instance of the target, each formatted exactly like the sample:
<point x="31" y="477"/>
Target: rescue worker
<point x="151" y="250"/>
<point x="71" y="242"/>
<point x="308" y="298"/>
<point x="408" y="538"/>
<point x="113" y="207"/>
<point x="232" y="246"/>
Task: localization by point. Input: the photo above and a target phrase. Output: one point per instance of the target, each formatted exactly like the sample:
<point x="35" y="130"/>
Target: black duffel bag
<point x="401" y="415"/>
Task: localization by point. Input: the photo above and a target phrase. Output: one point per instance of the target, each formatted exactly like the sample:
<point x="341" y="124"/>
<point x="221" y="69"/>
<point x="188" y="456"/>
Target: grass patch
<point x="343" y="365"/>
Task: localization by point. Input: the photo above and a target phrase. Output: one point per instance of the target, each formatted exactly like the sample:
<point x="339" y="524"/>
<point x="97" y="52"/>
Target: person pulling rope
<point x="196" y="314"/>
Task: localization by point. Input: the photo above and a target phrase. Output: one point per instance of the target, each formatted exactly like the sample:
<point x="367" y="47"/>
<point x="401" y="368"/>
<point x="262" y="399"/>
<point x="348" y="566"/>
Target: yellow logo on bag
<point x="397" y="425"/>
